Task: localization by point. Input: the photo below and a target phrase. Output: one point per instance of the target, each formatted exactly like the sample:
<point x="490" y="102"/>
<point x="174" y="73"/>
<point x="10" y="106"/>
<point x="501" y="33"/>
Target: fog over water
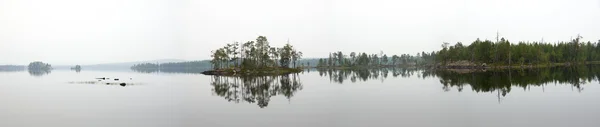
<point x="104" y="31"/>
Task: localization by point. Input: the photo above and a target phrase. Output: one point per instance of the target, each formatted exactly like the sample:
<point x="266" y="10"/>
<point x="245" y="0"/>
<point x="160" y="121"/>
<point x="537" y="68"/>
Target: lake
<point x="551" y="97"/>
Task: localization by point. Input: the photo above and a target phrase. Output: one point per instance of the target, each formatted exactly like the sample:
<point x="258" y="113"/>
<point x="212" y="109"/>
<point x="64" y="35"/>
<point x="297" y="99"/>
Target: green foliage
<point x="502" y="52"/>
<point x="255" y="55"/>
<point x="37" y="65"/>
<point x="505" y="53"/>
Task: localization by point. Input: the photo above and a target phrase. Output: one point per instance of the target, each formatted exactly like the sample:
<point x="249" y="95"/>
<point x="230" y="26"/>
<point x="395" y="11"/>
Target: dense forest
<point x="498" y="53"/>
<point x="255" y="55"/>
<point x="502" y="52"/>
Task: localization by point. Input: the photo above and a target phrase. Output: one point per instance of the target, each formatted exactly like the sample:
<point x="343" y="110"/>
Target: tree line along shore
<point x="257" y="57"/>
<point x="479" y="54"/>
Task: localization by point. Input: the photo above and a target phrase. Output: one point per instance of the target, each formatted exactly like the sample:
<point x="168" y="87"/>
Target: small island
<point x="77" y="68"/>
<point x="37" y="65"/>
<point x="254" y="58"/>
<point x="38" y="68"/>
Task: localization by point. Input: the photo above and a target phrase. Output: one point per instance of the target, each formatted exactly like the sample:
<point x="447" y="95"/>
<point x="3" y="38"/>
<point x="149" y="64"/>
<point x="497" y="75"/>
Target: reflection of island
<point x="255" y="89"/>
<point x="38" y="72"/>
<point x="38" y="68"/>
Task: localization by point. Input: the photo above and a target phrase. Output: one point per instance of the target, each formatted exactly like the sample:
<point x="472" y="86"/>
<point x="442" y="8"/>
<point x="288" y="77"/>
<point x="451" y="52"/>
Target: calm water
<point x="389" y="97"/>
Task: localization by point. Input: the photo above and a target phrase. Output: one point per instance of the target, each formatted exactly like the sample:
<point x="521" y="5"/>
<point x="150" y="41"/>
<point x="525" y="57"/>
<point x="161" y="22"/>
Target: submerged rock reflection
<point x="255" y="89"/>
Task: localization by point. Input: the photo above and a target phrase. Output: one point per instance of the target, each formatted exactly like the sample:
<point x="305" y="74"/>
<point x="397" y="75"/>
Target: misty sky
<point x="105" y="31"/>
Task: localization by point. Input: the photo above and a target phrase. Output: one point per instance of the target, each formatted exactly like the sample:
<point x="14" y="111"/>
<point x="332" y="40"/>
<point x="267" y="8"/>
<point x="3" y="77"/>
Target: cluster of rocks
<point x="115" y="79"/>
<point x="463" y="64"/>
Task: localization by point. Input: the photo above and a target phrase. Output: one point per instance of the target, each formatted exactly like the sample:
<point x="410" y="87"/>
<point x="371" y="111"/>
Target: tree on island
<point x="254" y="55"/>
<point x="38" y="68"/>
<point x="502" y="52"/>
<point x="77" y="68"/>
<point x="37" y="65"/>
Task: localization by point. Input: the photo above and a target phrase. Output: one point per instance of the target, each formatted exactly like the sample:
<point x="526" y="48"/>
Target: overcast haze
<point x="105" y="31"/>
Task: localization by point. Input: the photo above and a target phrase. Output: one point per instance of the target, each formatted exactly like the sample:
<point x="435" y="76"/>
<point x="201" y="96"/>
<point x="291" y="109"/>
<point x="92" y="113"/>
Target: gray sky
<point x="104" y="31"/>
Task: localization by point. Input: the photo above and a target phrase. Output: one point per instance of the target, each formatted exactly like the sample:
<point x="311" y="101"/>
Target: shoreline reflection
<point x="499" y="81"/>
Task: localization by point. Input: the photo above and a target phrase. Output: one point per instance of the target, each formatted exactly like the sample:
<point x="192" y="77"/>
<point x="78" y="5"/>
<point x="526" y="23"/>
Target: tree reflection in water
<point x="355" y="75"/>
<point x="500" y="81"/>
<point x="490" y="81"/>
<point x="255" y="89"/>
<point x="38" y="72"/>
